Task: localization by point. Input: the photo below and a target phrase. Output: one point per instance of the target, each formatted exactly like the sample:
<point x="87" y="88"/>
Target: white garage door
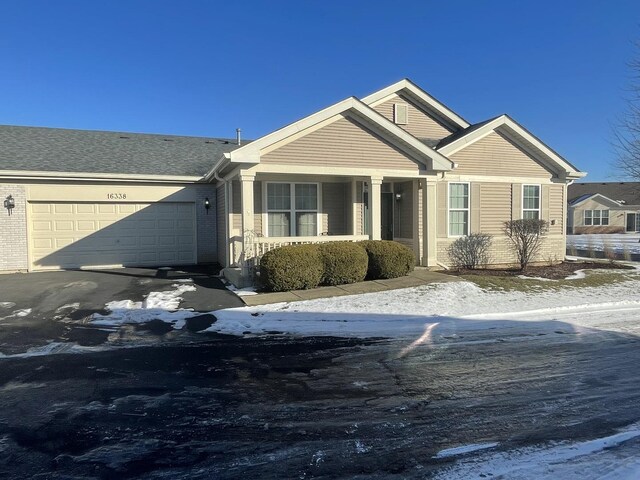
<point x="72" y="235"/>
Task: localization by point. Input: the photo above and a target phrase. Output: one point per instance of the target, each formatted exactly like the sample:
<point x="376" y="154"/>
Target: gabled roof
<point x="624" y="193"/>
<point x="250" y="154"/>
<point x="422" y="98"/>
<point x="49" y="150"/>
<point x="594" y="196"/>
<point x="518" y="135"/>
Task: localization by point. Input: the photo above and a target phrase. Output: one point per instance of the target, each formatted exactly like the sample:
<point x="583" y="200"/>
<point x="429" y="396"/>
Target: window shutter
<point x="401" y="113"/>
<point x="516" y="201"/>
<point x="442" y="223"/>
<point x="474" y="200"/>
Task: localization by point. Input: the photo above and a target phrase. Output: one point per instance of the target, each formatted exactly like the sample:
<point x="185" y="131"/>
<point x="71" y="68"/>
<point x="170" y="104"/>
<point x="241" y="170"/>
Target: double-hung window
<point x="292" y="209"/>
<point x="531" y="202"/>
<point x="458" y="209"/>
<point x="596" y="217"/>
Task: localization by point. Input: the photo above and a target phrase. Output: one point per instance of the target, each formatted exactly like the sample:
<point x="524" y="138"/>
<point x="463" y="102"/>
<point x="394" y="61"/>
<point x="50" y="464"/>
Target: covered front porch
<point x="269" y="210"/>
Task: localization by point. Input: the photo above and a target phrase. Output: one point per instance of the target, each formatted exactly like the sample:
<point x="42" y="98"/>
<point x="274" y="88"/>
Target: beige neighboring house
<point x="603" y="207"/>
<point x="396" y="165"/>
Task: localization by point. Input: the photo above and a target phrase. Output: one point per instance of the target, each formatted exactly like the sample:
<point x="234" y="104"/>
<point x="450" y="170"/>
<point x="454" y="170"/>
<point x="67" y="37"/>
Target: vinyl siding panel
<point x="257" y="208"/>
<point x="420" y="123"/>
<point x="403" y="215"/>
<point x="236" y="206"/>
<point x="222" y="225"/>
<point x="442" y="203"/>
<point x="474" y="208"/>
<point x="359" y="209"/>
<point x="339" y="144"/>
<point x="556" y="210"/>
<point x="335" y="204"/>
<point x="495" y="155"/>
<point x="495" y="199"/>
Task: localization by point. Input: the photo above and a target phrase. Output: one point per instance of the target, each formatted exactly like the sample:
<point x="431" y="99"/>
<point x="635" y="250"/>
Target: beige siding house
<point x="604" y="207"/>
<point x="396" y="165"/>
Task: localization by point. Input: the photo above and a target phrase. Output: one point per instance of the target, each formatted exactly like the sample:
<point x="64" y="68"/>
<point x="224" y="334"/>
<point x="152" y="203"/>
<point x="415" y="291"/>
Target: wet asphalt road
<point x="208" y="406"/>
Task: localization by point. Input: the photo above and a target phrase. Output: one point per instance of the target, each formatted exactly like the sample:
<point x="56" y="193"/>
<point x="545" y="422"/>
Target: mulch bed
<point x="553" y="272"/>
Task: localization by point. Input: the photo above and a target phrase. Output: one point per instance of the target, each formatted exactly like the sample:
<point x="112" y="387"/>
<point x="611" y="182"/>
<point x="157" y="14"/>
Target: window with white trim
<point x="458" y="209"/>
<point x="292" y="209"/>
<point x="531" y="202"/>
<point x="596" y="217"/>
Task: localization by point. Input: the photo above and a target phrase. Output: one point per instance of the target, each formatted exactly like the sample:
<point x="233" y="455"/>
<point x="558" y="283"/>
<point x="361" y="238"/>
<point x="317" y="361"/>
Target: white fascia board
<point x="560" y="164"/>
<point x="250" y="153"/>
<point x="101" y="177"/>
<point x="421" y="96"/>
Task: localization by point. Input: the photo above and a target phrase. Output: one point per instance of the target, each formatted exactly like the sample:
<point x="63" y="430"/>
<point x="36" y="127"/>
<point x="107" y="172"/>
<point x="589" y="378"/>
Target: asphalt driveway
<point x="41" y="308"/>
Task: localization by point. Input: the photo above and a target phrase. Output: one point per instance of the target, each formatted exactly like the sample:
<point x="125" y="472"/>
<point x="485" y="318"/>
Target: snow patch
<point x="474" y="447"/>
<point x="7" y="304"/>
<point x="17" y="314"/>
<point x="577" y="275"/>
<point x="162" y="306"/>
<point x="241" y="292"/>
<point x="55" y="348"/>
<point x="591" y="459"/>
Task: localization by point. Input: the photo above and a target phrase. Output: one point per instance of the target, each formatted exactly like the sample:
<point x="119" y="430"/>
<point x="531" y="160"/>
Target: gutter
<point x="96" y="177"/>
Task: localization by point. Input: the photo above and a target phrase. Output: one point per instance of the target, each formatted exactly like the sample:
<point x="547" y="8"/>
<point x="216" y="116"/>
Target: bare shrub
<point x="526" y="237"/>
<point x="470" y="252"/>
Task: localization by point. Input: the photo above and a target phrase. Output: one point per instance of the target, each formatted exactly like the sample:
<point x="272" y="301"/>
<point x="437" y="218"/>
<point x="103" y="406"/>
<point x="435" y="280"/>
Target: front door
<point x="387" y="216"/>
<point x="631" y="222"/>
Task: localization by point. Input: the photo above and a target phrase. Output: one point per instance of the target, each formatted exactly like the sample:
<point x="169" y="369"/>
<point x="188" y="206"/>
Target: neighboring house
<point x="604" y="207"/>
<point x="395" y="165"/>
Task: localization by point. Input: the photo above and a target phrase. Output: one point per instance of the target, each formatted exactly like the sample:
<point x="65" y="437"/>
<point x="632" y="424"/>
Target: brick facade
<point x="13" y="229"/>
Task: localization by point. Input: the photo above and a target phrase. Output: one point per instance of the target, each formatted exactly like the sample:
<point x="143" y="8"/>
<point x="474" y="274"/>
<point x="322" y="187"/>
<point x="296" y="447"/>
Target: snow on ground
<point x="603" y="458"/>
<point x="23" y="312"/>
<point x="616" y="242"/>
<point x="55" y="348"/>
<point x="449" y="307"/>
<point x="163" y="306"/>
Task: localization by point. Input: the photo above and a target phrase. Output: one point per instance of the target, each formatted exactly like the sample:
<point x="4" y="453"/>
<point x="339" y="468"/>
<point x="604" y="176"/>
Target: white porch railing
<point x="262" y="245"/>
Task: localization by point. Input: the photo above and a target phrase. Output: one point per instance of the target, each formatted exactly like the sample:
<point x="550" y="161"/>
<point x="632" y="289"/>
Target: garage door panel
<point x="71" y="235"/>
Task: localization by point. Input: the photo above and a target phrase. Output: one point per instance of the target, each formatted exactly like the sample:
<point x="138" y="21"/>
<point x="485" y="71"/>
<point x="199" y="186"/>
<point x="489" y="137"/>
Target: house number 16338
<point x="116" y="196"/>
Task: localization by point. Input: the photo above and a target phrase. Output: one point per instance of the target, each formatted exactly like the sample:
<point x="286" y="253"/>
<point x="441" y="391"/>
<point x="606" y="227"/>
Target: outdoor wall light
<point x="9" y="203"/>
<point x="398" y="196"/>
<point x="207" y="204"/>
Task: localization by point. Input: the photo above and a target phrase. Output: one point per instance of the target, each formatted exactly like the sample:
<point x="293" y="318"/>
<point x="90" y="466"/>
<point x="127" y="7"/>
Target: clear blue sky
<point x="205" y="67"/>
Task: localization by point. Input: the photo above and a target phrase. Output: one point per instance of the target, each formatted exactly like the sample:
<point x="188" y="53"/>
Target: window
<point x="292" y="209"/>
<point x="596" y="217"/>
<point x="531" y="201"/>
<point x="458" y="209"/>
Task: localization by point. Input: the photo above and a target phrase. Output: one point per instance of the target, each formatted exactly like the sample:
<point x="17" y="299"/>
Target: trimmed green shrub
<point x="344" y="262"/>
<point x="293" y="267"/>
<point x="388" y="259"/>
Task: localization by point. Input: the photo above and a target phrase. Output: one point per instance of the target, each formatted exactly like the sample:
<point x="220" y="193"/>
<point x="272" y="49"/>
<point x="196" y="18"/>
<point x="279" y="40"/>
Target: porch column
<point x="355" y="208"/>
<point x="375" y="207"/>
<point x="246" y="188"/>
<point x="247" y="234"/>
<point x="429" y="212"/>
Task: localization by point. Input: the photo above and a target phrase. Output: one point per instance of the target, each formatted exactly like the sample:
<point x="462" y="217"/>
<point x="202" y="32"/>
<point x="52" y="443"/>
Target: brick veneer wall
<point x="13" y="229"/>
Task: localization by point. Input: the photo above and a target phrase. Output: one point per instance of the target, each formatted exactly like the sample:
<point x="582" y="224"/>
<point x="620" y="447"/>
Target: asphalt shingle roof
<point x="88" y="151"/>
<point x="628" y="192"/>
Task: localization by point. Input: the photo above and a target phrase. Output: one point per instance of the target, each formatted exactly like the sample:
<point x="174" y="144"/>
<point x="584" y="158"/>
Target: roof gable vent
<point x="400" y="113"/>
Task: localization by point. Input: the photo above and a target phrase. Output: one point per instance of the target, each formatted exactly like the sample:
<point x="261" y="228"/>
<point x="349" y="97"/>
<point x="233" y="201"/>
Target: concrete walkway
<point x="420" y="276"/>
